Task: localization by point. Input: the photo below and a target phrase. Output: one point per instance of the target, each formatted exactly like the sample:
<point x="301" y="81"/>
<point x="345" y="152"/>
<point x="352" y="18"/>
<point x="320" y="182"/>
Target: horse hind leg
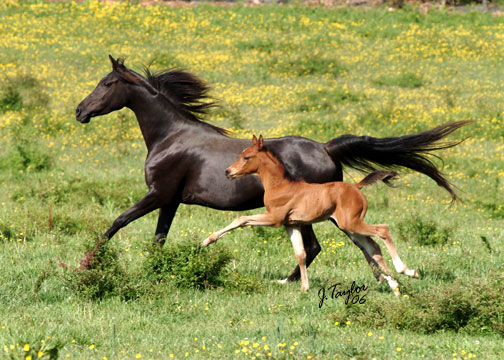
<point x="382" y="231"/>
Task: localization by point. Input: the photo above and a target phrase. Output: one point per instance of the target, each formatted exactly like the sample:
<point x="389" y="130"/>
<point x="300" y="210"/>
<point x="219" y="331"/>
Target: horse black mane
<point x="187" y="92"/>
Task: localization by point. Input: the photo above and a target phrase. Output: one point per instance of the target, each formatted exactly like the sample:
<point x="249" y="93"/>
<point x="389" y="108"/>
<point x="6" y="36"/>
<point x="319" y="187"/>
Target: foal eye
<point x="246" y="158"/>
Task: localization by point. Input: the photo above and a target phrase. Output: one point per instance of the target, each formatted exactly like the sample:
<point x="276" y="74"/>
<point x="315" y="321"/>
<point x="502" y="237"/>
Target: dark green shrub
<point x="424" y="232"/>
<point x="187" y="264"/>
<point x="10" y="100"/>
<point x="22" y="91"/>
<point x="26" y="155"/>
<point x="473" y="307"/>
<point x="105" y="278"/>
<point x="10" y="232"/>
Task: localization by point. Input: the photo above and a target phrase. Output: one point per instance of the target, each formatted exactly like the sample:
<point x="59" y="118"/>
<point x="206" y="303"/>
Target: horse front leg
<point x="165" y="219"/>
<point x="151" y="201"/>
<point x="254" y="220"/>
<point x="147" y="204"/>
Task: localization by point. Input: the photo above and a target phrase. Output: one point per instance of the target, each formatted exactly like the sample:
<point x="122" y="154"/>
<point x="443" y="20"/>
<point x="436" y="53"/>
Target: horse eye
<point x="107" y="84"/>
<point x="246" y="158"/>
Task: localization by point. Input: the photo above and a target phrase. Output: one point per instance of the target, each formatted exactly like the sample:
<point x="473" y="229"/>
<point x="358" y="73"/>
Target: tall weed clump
<point x="424" y="232"/>
<point x="187" y="264"/>
<point x="106" y="277"/>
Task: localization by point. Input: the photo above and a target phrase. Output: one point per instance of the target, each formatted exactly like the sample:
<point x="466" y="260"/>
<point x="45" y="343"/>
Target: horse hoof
<point x="282" y="282"/>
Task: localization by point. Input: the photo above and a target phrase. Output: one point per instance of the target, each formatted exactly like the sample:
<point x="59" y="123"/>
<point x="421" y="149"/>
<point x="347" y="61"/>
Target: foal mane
<point x="187" y="92"/>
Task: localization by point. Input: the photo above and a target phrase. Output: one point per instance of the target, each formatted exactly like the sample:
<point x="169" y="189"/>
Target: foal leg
<point x="254" y="220"/>
<point x="374" y="257"/>
<point x="312" y="249"/>
<point x="382" y="231"/>
<point x="384" y="234"/>
<point x="299" y="251"/>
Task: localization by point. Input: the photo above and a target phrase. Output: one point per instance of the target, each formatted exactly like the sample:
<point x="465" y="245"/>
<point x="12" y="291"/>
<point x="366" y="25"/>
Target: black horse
<point x="187" y="158"/>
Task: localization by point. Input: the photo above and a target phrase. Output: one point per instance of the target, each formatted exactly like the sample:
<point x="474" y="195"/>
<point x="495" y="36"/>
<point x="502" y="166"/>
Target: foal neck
<point x="270" y="171"/>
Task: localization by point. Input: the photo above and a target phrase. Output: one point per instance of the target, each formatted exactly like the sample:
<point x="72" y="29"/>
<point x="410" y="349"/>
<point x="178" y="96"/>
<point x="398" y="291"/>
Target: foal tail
<point x="412" y="151"/>
<point x="384" y="175"/>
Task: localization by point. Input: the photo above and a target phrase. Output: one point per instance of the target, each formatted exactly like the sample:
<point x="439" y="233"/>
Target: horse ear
<point x="260" y="142"/>
<point x="115" y="63"/>
<point x="254" y="140"/>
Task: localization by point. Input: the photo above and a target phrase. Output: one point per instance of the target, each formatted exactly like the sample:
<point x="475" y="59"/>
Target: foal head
<point x="112" y="92"/>
<point x="249" y="160"/>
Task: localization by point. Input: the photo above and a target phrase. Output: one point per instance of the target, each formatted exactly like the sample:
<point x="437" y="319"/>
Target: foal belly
<point x="304" y="219"/>
<point x="311" y="205"/>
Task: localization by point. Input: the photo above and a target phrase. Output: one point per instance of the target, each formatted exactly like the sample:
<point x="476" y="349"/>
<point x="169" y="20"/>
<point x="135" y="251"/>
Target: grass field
<point x="309" y="71"/>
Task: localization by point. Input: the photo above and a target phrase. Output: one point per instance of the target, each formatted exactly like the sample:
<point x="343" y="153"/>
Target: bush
<point x="187" y="264"/>
<point x="105" y="278"/>
<point x="473" y="307"/>
<point x="424" y="232"/>
<point x="22" y="91"/>
<point x="9" y="232"/>
<point x="26" y="155"/>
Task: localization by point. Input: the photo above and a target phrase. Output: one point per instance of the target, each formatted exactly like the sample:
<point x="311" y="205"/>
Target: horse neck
<point x="156" y="117"/>
<point x="270" y="171"/>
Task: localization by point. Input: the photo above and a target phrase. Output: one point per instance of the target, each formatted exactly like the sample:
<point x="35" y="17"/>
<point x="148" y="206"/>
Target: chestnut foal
<point x="295" y="203"/>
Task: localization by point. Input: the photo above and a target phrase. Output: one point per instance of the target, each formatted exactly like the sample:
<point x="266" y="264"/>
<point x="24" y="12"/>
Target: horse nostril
<point x="227" y="172"/>
<point x="77" y="111"/>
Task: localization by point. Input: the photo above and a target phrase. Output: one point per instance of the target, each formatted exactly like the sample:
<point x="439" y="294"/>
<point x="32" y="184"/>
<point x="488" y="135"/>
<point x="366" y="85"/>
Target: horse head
<point x="112" y="92"/>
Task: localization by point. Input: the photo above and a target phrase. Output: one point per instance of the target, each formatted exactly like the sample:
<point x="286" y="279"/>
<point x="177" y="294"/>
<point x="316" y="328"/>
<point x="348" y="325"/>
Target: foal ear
<point x="260" y="143"/>
<point x="254" y="140"/>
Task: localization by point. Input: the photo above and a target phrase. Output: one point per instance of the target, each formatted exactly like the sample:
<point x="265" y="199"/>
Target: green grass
<point x="314" y="72"/>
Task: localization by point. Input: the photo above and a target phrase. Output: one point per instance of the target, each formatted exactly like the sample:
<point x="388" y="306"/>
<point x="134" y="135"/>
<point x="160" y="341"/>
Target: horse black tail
<point x="410" y="151"/>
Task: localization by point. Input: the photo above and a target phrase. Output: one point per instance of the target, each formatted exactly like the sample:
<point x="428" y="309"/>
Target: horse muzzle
<point x="82" y="116"/>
